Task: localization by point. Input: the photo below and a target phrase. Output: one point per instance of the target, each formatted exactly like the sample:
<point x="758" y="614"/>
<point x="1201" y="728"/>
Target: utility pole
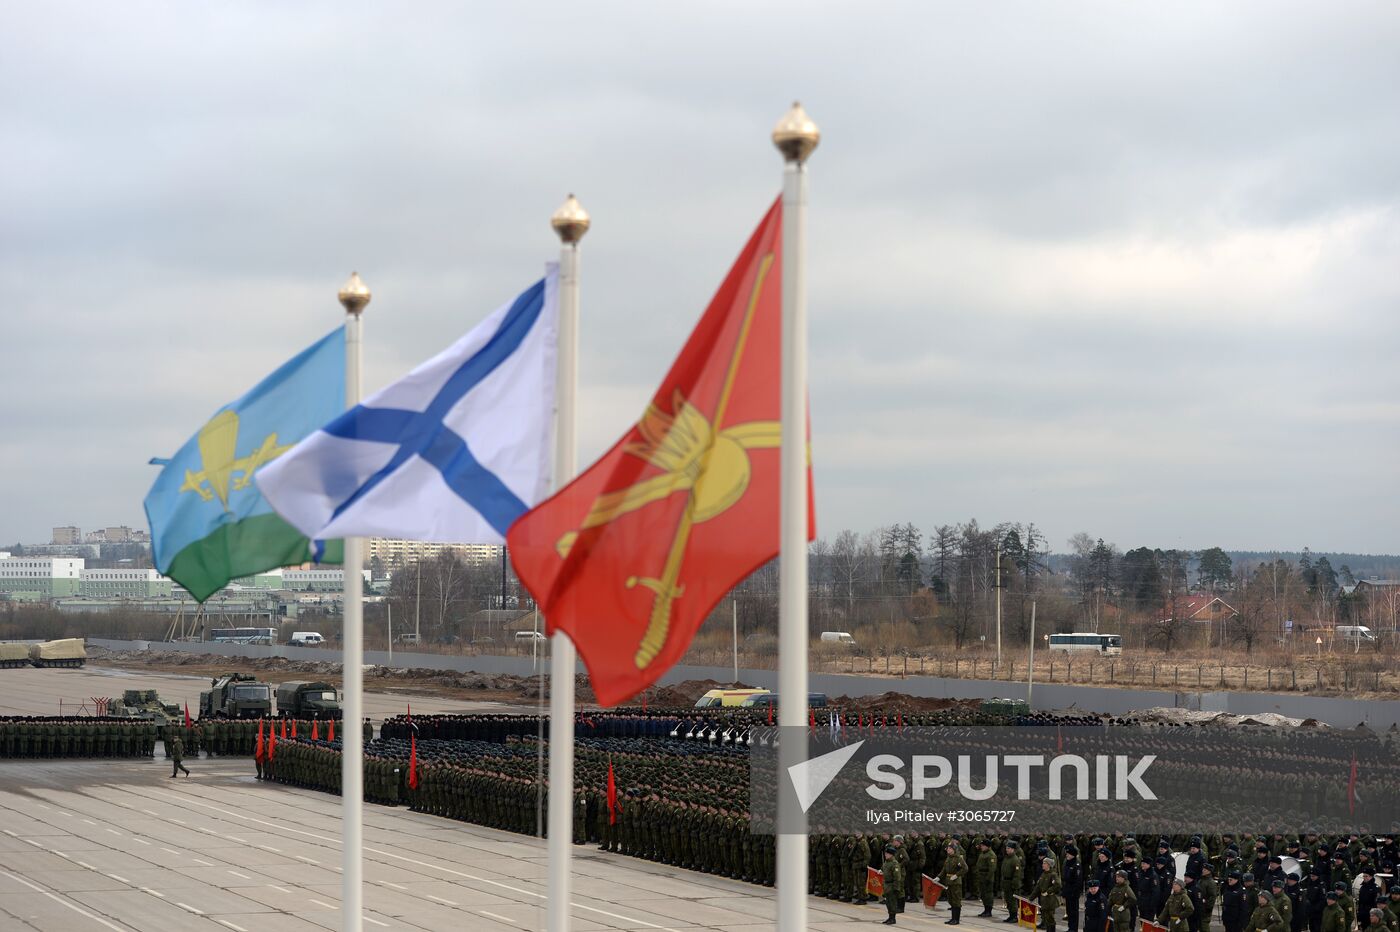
<point x="998" y="588"/>
<point x="418" y="603"/>
<point x="1030" y="667"/>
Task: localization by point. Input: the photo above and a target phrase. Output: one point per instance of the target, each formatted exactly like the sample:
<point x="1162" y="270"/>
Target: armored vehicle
<point x="69" y="652"/>
<point x="307" y="700"/>
<point x="146" y="704"/>
<point x="14" y="655"/>
<point x="235" y="695"/>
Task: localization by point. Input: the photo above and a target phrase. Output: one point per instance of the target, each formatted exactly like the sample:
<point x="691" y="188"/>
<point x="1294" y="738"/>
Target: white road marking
<point x="322" y="903"/>
<point x="375" y="921"/>
<point x="201" y="863"/>
<point x="495" y="916"/>
<point x="240" y="876"/>
<point x="279" y="889"/>
<point x="62" y="902"/>
<point x="394" y="885"/>
<point x="34" y="843"/>
<point x="237" y="841"/>
<point x="149" y="812"/>
<point x="337" y="868"/>
<point x="438" y="899"/>
<point x="140" y="841"/>
<point x="41" y="806"/>
<point x="302" y="857"/>
<point x="171" y="850"/>
<point x="86" y="865"/>
<point x="231" y="925"/>
<point x="407" y="860"/>
<point x="151" y="892"/>
<point x="197" y="912"/>
<point x="270" y="848"/>
<point x="119" y="879"/>
<point x="114" y="832"/>
<point x="68" y="814"/>
<point x="177" y="822"/>
<point x="89" y="822"/>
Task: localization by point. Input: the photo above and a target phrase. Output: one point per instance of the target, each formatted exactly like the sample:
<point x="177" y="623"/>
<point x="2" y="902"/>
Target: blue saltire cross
<point x="423" y="433"/>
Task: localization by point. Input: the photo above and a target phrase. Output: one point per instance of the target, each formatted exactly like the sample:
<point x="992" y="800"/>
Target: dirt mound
<point x="897" y="702"/>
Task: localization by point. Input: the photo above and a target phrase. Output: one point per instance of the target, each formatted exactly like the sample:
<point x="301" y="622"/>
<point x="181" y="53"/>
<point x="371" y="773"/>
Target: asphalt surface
<point x="118" y="845"/>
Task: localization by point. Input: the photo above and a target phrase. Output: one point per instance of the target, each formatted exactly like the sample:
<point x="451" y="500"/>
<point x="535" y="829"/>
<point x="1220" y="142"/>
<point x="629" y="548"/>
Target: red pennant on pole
<point x="612" y="795"/>
<point x="330" y="731"/>
<point x="294" y="729"/>
<point x="315" y="731"/>
<point x="258" y="750"/>
<point x="874" y="882"/>
<point x="271" y="743"/>
<point x="413" y="762"/>
<point x="283" y="736"/>
<point x="187" y="714"/>
<point x="932" y="890"/>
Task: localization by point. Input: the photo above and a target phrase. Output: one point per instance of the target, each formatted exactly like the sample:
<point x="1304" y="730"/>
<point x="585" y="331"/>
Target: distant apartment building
<point x="123" y="584"/>
<point x="37" y="579"/>
<point x="117" y="535"/>
<point x="67" y="535"/>
<point x="317" y="579"/>
<point x="394" y="553"/>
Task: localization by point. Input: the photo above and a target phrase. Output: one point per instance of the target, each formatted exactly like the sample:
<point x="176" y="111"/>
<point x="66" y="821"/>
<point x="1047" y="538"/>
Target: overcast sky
<point x="1123" y="268"/>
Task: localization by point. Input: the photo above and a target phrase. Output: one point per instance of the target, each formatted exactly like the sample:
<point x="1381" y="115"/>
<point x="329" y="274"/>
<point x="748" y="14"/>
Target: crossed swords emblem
<point x="703" y="458"/>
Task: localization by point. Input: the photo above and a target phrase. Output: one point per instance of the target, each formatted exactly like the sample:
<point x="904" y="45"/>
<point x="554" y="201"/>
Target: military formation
<point x="89" y="736"/>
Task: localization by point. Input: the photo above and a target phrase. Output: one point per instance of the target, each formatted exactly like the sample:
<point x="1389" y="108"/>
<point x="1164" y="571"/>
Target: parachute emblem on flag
<point x="699" y="456"/>
<point x="218" y="445"/>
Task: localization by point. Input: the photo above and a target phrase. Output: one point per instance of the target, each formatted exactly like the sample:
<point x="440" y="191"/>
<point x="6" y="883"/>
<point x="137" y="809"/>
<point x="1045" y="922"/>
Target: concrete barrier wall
<point x="1340" y="712"/>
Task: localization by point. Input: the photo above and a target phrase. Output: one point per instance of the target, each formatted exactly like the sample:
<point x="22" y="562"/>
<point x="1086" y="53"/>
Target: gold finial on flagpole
<point x="796" y="135"/>
<point x="354" y="295"/>
<point x="570" y="221"/>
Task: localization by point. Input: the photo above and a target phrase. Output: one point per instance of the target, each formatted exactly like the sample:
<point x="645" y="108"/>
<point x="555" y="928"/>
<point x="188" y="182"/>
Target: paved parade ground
<point x="118" y="845"/>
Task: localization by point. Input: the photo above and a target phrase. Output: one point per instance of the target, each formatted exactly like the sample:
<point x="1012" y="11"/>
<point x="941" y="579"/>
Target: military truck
<point x="306" y="700"/>
<point x="68" y="652"/>
<point x="14" y="655"/>
<point x="235" y="695"/>
<point x="145" y="704"/>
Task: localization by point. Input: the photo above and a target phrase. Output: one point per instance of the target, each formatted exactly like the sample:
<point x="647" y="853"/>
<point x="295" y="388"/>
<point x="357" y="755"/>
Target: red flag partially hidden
<point x="258" y="750"/>
<point x="1027" y="913"/>
<point x="330" y="731"/>
<point x="811" y="718"/>
<point x="271" y="743"/>
<point x="612" y="795"/>
<point x="874" y="882"/>
<point x="1147" y="925"/>
<point x="932" y="890"/>
<point x="315" y="731"/>
<point x="413" y="762"/>
<point x="770" y="713"/>
<point x="294" y="729"/>
<point x="630" y="557"/>
<point x="284" y="730"/>
<point x="187" y="714"/>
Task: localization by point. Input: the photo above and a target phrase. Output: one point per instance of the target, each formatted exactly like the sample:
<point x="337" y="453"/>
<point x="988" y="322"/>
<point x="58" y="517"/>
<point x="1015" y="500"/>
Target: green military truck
<point x="68" y="652"/>
<point x="236" y="695"/>
<point x="307" y="700"/>
<point x="14" y="655"/>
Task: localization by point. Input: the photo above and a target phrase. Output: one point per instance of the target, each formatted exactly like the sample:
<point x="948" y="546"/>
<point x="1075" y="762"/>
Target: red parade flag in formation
<point x="413" y="762"/>
<point x="612" y="795"/>
<point x="258" y="748"/>
<point x="330" y="731"/>
<point x="294" y="729"/>
<point x="630" y="557"/>
<point x="932" y="890"/>
<point x="187" y="714"/>
<point x="874" y="882"/>
<point x="770" y="713"/>
<point x="315" y="731"/>
<point x="283" y="736"/>
<point x="271" y="742"/>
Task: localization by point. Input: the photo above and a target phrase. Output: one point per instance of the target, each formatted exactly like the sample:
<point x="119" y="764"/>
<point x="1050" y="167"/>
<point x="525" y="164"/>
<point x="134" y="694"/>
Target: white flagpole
<point x="354" y="296"/>
<point x="795" y="136"/>
<point x="570" y="222"/>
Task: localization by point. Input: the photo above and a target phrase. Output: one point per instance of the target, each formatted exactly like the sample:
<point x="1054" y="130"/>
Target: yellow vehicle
<point x="727" y="697"/>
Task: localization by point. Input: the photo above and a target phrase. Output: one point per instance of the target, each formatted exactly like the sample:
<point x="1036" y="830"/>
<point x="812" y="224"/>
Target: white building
<point x="316" y="580"/>
<point x="39" y="578"/>
<point x="393" y="552"/>
<point x="123" y="584"/>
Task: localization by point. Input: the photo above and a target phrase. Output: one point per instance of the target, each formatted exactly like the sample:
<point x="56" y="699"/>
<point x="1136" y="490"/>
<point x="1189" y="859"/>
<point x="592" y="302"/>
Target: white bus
<point x="1099" y="643"/>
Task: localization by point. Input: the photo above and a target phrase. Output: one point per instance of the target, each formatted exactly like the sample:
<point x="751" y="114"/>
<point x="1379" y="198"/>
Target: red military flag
<point x="770" y="713"/>
<point x="294" y="729"/>
<point x="187" y="714"/>
<point x="1147" y="925"/>
<point x="932" y="891"/>
<point x="413" y="762"/>
<point x="1027" y="913"/>
<point x="811" y="719"/>
<point x="284" y="730"/>
<point x="612" y="795"/>
<point x="874" y="882"/>
<point x="258" y="748"/>
<point x="315" y="731"/>
<point x="630" y="557"/>
<point x="330" y="731"/>
<point x="271" y="742"/>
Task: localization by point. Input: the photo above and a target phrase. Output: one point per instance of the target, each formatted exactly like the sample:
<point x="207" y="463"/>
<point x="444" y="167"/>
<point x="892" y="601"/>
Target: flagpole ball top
<point x="796" y="135"/>
<point x="570" y="221"/>
<point x="354" y="295"/>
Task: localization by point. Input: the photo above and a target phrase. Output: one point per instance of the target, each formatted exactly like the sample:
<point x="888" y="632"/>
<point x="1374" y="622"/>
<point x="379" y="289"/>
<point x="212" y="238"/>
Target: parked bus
<point x="1099" y="643"/>
<point x="244" y="635"/>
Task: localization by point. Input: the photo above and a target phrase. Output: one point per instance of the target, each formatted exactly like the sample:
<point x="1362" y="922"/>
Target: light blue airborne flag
<point x="454" y="451"/>
<point x="209" y="523"/>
